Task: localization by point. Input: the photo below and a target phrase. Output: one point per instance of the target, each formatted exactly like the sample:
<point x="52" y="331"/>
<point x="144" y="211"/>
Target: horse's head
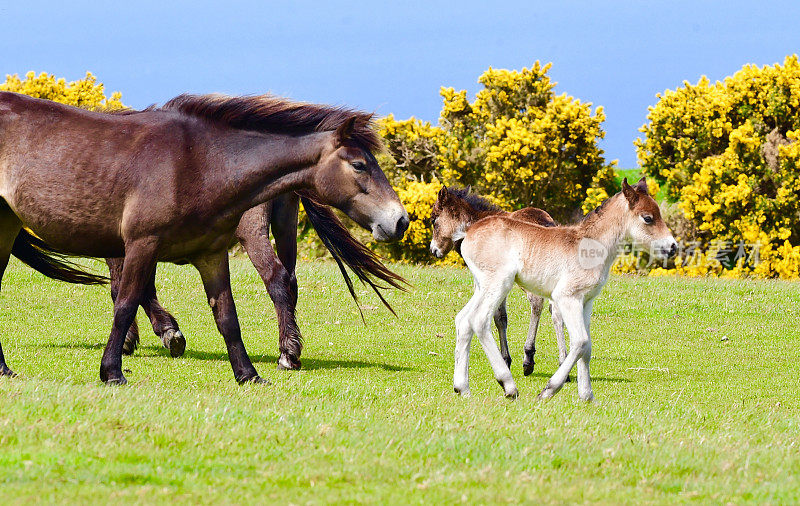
<point x="449" y="219"/>
<point x="349" y="178"/>
<point x="644" y="222"/>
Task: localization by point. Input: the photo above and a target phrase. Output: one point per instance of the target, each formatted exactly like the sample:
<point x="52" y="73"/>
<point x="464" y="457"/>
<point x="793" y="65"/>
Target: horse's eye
<point x="359" y="165"/>
<point x="647" y="219"/>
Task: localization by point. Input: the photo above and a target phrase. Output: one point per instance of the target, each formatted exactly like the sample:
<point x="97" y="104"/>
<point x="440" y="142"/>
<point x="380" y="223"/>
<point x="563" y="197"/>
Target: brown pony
<point x="567" y="264"/>
<point x="277" y="270"/>
<point x="454" y="211"/>
<point x="171" y="184"/>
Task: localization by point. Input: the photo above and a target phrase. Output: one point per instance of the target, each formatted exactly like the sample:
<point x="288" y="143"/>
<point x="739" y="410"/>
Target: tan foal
<point x="567" y="264"/>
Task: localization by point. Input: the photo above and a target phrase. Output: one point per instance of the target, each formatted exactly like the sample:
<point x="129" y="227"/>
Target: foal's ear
<point x="442" y="194"/>
<point x="630" y="194"/>
<point x="641" y="186"/>
<point x="345" y="130"/>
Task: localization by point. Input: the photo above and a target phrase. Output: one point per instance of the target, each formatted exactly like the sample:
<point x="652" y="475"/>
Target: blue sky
<point x="393" y="57"/>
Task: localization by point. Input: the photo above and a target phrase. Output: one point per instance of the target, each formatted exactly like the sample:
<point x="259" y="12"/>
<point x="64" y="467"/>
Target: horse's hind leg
<point x="530" y="343"/>
<point x="164" y="325"/>
<point x="9" y="228"/>
<point x="501" y="322"/>
<point x="277" y="273"/>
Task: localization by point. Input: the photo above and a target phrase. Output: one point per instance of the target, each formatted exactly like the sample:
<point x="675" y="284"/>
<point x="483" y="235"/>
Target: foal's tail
<point x="346" y="249"/>
<point x="35" y="253"/>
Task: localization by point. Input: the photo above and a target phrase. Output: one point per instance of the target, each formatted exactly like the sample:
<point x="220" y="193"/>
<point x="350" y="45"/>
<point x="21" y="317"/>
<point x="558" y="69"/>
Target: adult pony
<point x="567" y="264"/>
<point x="172" y="183"/>
<point x="454" y="211"/>
<point x="277" y="270"/>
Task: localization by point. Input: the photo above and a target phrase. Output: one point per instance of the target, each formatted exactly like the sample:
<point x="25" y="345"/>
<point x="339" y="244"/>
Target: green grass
<point x="696" y="386"/>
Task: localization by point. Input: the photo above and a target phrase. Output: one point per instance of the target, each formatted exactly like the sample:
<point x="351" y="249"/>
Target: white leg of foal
<point x="494" y="294"/>
<point x="501" y="322"/>
<point x="584" y="382"/>
<point x="558" y="324"/>
<point x="530" y="343"/>
<point x="572" y="312"/>
<point x="464" y="333"/>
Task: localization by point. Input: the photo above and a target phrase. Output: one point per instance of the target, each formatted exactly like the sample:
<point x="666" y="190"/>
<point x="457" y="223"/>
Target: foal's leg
<point x="584" y="382"/>
<point x="217" y="283"/>
<point x="137" y="271"/>
<point x="9" y="228"/>
<point x="464" y="334"/>
<point x="501" y="322"/>
<point x="558" y="323"/>
<point x="530" y="343"/>
<point x="493" y="293"/>
<point x="571" y="309"/>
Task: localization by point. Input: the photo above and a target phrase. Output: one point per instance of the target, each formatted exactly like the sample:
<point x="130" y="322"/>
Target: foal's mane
<point x="476" y="202"/>
<point x="273" y="114"/>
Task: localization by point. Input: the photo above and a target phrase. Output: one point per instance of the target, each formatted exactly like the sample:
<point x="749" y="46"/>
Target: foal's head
<point x="644" y="222"/>
<point x="453" y="212"/>
<point x="348" y="177"/>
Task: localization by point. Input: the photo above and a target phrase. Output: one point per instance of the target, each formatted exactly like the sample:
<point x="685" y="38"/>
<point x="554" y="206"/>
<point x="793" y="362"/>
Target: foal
<point x="568" y="264"/>
<point x="453" y="213"/>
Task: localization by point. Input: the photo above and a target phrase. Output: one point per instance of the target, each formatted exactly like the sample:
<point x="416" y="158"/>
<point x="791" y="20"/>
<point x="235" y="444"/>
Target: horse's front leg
<point x="501" y="322"/>
<point x="115" y="275"/>
<point x="530" y="343"/>
<point x="215" y="274"/>
<point x="137" y="271"/>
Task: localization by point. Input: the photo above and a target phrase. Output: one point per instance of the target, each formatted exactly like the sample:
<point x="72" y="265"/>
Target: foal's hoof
<point x="174" y="341"/>
<point x="527" y="367"/>
<point x="5" y="371"/>
<point x="131" y="343"/>
<point x="286" y="363"/>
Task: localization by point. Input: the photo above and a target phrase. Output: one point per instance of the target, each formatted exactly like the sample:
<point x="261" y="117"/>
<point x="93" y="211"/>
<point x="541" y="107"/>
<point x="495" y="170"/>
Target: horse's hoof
<point x="287" y="364"/>
<point x="115" y="380"/>
<point x="512" y="394"/>
<point x="544" y="394"/>
<point x="131" y="343"/>
<point x="5" y="371"/>
<point x="174" y="341"/>
<point x="527" y="368"/>
<point x="255" y="380"/>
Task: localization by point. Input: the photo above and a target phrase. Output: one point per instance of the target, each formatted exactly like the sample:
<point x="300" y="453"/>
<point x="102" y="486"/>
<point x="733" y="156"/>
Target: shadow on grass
<point x="309" y="364"/>
<point x="572" y="377"/>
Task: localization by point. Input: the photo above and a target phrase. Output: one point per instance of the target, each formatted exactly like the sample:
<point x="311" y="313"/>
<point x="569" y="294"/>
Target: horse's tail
<point x="35" y="253"/>
<point x="347" y="250"/>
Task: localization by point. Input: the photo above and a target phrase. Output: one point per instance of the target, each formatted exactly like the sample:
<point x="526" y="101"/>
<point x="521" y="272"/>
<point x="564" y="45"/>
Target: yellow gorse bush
<point x="727" y="152"/>
<point x="86" y="92"/>
<point x="518" y="144"/>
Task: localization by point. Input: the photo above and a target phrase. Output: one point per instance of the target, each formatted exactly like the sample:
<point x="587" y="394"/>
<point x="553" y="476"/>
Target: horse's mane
<point x="476" y="202"/>
<point x="269" y="113"/>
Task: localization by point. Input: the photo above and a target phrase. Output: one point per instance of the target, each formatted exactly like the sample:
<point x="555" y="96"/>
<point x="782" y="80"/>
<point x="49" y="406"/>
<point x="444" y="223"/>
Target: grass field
<point x="696" y="385"/>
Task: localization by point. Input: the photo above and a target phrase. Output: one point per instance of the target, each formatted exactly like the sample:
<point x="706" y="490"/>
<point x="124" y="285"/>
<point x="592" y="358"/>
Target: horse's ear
<point x="630" y="194"/>
<point x="641" y="186"/>
<point x="345" y="130"/>
<point x="469" y="188"/>
<point x="443" y="194"/>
